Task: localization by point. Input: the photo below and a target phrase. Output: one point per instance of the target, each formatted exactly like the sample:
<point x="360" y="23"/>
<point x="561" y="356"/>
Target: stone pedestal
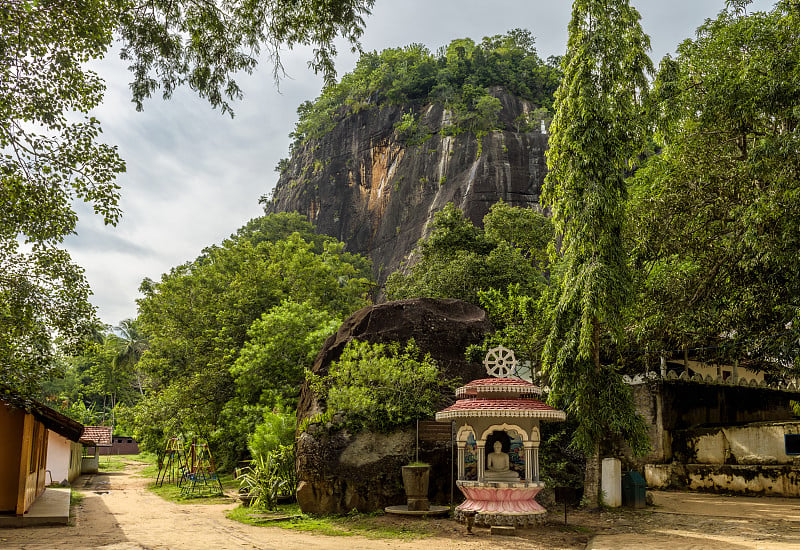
<point x="611" y="482"/>
<point x="415" y="482"/>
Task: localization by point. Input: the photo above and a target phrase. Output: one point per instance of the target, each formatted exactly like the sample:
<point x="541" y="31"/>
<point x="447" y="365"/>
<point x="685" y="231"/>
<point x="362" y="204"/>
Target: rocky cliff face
<point x="363" y="185"/>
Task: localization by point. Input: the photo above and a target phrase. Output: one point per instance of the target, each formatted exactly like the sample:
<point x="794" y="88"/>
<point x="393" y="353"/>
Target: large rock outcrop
<point x="363" y="185"/>
<point x="339" y="471"/>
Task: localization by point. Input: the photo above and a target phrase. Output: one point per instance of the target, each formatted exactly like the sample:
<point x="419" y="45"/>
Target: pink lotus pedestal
<point x="501" y="503"/>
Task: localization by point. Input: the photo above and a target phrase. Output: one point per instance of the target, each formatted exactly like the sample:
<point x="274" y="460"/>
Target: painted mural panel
<point x="471" y="459"/>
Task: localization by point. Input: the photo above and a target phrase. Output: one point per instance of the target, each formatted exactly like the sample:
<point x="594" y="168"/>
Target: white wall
<point x="58" y="457"/>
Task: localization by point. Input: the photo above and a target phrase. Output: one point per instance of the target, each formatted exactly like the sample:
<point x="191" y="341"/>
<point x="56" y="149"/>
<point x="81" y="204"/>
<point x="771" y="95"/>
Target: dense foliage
<point x="381" y="387"/>
<point x="48" y="160"/>
<point x="598" y="129"/>
<point x="459" y="260"/>
<point x="457" y="76"/>
<point x="50" y="155"/>
<point x="100" y="383"/>
<point x="718" y="210"/>
<point x="204" y="44"/>
<point x="214" y="363"/>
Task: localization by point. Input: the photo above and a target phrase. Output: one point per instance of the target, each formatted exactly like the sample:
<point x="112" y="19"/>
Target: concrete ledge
<point x="770" y="480"/>
<point x="51" y="508"/>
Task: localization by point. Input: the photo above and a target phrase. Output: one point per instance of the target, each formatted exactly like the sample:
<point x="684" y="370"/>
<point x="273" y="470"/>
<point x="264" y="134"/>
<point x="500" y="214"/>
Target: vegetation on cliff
<point x="458" y="76"/>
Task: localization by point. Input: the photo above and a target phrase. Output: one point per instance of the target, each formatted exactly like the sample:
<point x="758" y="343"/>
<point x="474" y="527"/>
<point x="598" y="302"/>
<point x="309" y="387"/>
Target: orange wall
<point x="11" y="422"/>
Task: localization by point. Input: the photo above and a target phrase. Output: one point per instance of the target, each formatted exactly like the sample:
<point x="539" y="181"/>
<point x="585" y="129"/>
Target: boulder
<point x="339" y="471"/>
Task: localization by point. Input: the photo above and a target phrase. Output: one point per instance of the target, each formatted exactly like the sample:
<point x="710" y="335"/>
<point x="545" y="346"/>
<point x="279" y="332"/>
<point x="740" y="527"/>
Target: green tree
<point x="281" y="345"/>
<point x="458" y="260"/>
<point x="204" y="44"/>
<point x="132" y="345"/>
<point x="597" y="130"/>
<point x="381" y="387"/>
<point x="48" y="160"/>
<point x="718" y="211"/>
<point x="199" y="317"/>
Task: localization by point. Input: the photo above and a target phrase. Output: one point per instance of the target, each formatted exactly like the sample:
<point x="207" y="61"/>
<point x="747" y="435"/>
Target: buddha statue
<point x="498" y="466"/>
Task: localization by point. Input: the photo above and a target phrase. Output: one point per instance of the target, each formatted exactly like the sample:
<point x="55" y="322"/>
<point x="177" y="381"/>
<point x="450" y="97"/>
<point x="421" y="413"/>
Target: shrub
<point x="382" y="386"/>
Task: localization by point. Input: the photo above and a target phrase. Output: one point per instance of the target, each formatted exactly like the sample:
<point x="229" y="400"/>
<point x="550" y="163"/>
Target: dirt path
<point x="118" y="513"/>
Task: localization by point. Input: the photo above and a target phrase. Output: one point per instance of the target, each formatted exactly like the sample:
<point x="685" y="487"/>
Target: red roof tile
<point x="498" y="385"/>
<point x="99" y="436"/>
<point x="503" y="381"/>
<point x="532" y="408"/>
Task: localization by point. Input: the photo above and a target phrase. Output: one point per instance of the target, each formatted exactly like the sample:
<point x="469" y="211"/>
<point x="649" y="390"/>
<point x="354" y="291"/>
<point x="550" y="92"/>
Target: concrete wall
<point x="783" y="480"/>
<point x="63" y="458"/>
<point x="760" y="443"/>
<point x="121" y="445"/>
<point x="58" y="457"/>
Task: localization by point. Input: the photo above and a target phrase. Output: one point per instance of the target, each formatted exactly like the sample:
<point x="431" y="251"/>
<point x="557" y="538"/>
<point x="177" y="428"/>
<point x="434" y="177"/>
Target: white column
<point x="461" y="445"/>
<point x="535" y="454"/>
<point x="529" y="466"/>
<point x="481" y="458"/>
<point x="611" y="482"/>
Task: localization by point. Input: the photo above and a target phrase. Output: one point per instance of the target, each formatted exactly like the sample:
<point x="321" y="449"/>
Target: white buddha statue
<point x="498" y="466"/>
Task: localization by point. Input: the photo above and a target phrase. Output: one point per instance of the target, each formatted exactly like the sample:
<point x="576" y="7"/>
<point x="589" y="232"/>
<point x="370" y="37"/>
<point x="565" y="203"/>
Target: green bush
<point x="382" y="386"/>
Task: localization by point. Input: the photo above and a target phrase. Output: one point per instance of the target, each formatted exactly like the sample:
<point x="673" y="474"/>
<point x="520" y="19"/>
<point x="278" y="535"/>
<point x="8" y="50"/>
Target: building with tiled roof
<point x="96" y="436"/>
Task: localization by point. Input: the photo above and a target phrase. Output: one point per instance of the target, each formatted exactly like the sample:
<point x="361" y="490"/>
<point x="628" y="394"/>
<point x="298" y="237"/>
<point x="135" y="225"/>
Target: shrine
<point x="497" y="425"/>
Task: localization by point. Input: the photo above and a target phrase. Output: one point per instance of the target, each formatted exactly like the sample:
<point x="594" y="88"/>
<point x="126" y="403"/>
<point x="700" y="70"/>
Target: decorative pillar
<point x="535" y="454"/>
<point x="529" y="465"/>
<point x="481" y="445"/>
<point x="461" y="445"/>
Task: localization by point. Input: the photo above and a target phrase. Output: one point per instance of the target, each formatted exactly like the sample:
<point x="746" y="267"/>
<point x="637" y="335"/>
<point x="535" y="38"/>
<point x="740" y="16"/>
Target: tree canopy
<point x="459" y="260"/>
<point x="48" y="160"/>
<point x="231" y="333"/>
<point x="717" y="212"/>
<point x="50" y="152"/>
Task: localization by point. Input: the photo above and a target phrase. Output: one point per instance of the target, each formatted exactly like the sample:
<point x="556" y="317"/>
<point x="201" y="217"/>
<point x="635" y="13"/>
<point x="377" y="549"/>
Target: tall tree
<point x="718" y="211"/>
<point x="132" y="345"/>
<point x="50" y="157"/>
<point x="201" y="316"/>
<point x="597" y="130"/>
<point x="48" y="160"/>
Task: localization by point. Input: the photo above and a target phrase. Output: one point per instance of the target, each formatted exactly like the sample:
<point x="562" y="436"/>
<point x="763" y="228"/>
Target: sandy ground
<point x="118" y="513"/>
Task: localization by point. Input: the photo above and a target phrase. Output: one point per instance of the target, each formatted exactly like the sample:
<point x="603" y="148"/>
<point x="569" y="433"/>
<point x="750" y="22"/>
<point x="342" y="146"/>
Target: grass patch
<point x="75" y="499"/>
<point x="173" y="493"/>
<point x="111" y="464"/>
<point x="370" y="526"/>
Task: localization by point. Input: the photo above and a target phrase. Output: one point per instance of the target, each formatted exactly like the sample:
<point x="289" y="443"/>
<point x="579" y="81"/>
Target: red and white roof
<point x="498" y="385"/>
<point x="508" y="408"/>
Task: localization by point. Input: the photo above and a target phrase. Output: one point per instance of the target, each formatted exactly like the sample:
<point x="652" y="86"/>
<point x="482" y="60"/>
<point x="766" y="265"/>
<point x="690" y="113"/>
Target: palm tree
<point x="132" y="345"/>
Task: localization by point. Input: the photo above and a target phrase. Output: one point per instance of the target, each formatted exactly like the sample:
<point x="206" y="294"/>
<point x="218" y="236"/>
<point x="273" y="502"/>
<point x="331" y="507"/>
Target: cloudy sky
<point x="194" y="175"/>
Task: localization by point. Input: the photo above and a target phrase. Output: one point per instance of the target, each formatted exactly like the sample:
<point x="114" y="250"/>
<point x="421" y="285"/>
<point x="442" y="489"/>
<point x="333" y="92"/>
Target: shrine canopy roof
<point x="514" y="386"/>
<point x="501" y="408"/>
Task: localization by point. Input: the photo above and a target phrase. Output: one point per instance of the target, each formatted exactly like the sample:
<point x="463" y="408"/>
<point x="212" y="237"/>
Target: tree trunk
<point x="591" y="481"/>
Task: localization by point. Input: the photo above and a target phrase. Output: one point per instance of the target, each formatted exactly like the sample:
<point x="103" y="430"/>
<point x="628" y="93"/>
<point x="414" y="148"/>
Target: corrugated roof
<point x="97" y="436"/>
